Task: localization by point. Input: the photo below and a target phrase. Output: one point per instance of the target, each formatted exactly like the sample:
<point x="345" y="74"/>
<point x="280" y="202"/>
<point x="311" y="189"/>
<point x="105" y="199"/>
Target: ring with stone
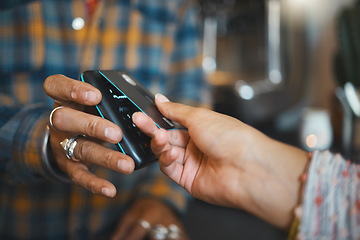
<point x="69" y="145"/>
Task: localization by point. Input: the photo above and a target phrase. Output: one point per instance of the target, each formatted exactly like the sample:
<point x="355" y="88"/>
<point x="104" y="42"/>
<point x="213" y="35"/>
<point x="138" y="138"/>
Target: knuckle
<point x="108" y="156"/>
<point x="91" y="127"/>
<point x="84" y="148"/>
<point x="92" y="186"/>
<point x="73" y="91"/>
<point x="76" y="176"/>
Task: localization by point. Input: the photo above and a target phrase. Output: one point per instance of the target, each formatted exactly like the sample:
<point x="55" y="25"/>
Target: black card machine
<point x="122" y="95"/>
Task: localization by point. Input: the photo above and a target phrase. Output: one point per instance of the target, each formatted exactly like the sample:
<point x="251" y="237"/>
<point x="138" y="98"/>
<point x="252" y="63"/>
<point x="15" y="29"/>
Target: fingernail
<point x="124" y="165"/>
<point x="108" y="192"/>
<point x="132" y="116"/>
<point x="90" y="96"/>
<point x="112" y="134"/>
<point x="161" y="98"/>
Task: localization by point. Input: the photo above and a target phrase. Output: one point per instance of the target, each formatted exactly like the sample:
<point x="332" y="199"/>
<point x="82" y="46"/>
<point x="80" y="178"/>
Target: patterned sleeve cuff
<point x="330" y="202"/>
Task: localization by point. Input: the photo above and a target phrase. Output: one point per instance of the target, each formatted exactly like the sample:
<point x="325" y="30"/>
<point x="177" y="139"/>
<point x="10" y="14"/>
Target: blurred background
<point x="288" y="68"/>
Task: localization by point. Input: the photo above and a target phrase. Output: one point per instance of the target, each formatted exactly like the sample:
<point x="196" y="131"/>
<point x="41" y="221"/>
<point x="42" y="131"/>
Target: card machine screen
<point x="122" y="95"/>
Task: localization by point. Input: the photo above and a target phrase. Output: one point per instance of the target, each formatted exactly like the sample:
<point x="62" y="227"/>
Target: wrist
<point x="49" y="165"/>
<point x="274" y="181"/>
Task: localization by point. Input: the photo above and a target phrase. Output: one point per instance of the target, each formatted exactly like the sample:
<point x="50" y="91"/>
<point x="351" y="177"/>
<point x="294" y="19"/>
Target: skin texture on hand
<point x="153" y="211"/>
<point x="226" y="162"/>
<point x="71" y="120"/>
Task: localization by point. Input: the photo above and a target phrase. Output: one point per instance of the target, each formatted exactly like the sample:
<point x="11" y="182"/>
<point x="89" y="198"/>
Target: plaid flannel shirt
<point x="157" y="41"/>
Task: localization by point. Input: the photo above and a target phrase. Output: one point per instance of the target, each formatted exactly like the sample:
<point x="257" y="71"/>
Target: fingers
<point x="175" y="111"/>
<point x="73" y="96"/>
<point x="169" y="146"/>
<point x="160" y="142"/>
<point x="131" y="229"/>
<point x="144" y="218"/>
<point x="62" y="88"/>
<point x="88" y="153"/>
<point x="69" y="120"/>
<point x="179" y="138"/>
<point x="80" y="175"/>
<point x="147" y="126"/>
<point x="171" y="164"/>
<point x="171" y="158"/>
<point x="91" y="152"/>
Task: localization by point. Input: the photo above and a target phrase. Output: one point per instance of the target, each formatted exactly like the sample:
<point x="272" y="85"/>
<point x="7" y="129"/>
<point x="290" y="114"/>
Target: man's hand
<point x="71" y="120"/>
<point x="154" y="212"/>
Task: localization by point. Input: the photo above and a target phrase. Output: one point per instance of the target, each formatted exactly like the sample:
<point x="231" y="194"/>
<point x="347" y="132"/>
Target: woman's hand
<point x="71" y="120"/>
<point x="226" y="162"/>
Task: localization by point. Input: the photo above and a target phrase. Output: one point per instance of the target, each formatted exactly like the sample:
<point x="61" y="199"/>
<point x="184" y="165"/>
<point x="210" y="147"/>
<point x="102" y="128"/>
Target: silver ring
<point x="69" y="145"/>
<point x="174" y="232"/>
<point x="51" y="115"/>
<point x="145" y="224"/>
<point x="159" y="232"/>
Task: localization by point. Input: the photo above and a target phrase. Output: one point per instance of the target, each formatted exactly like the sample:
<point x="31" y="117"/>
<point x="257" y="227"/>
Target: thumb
<point x="174" y="111"/>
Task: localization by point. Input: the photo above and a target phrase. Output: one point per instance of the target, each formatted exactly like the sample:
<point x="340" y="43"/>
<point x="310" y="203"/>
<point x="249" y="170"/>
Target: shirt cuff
<point x="49" y="166"/>
<point x="32" y="154"/>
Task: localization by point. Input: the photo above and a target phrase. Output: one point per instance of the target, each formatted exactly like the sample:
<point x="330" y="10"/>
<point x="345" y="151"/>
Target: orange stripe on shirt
<point x="36" y="32"/>
<point x="23" y="88"/>
<point x="133" y="40"/>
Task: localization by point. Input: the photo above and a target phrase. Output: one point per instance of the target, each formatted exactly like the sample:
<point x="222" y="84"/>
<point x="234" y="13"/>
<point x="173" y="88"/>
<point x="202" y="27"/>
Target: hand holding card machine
<point x="122" y="95"/>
